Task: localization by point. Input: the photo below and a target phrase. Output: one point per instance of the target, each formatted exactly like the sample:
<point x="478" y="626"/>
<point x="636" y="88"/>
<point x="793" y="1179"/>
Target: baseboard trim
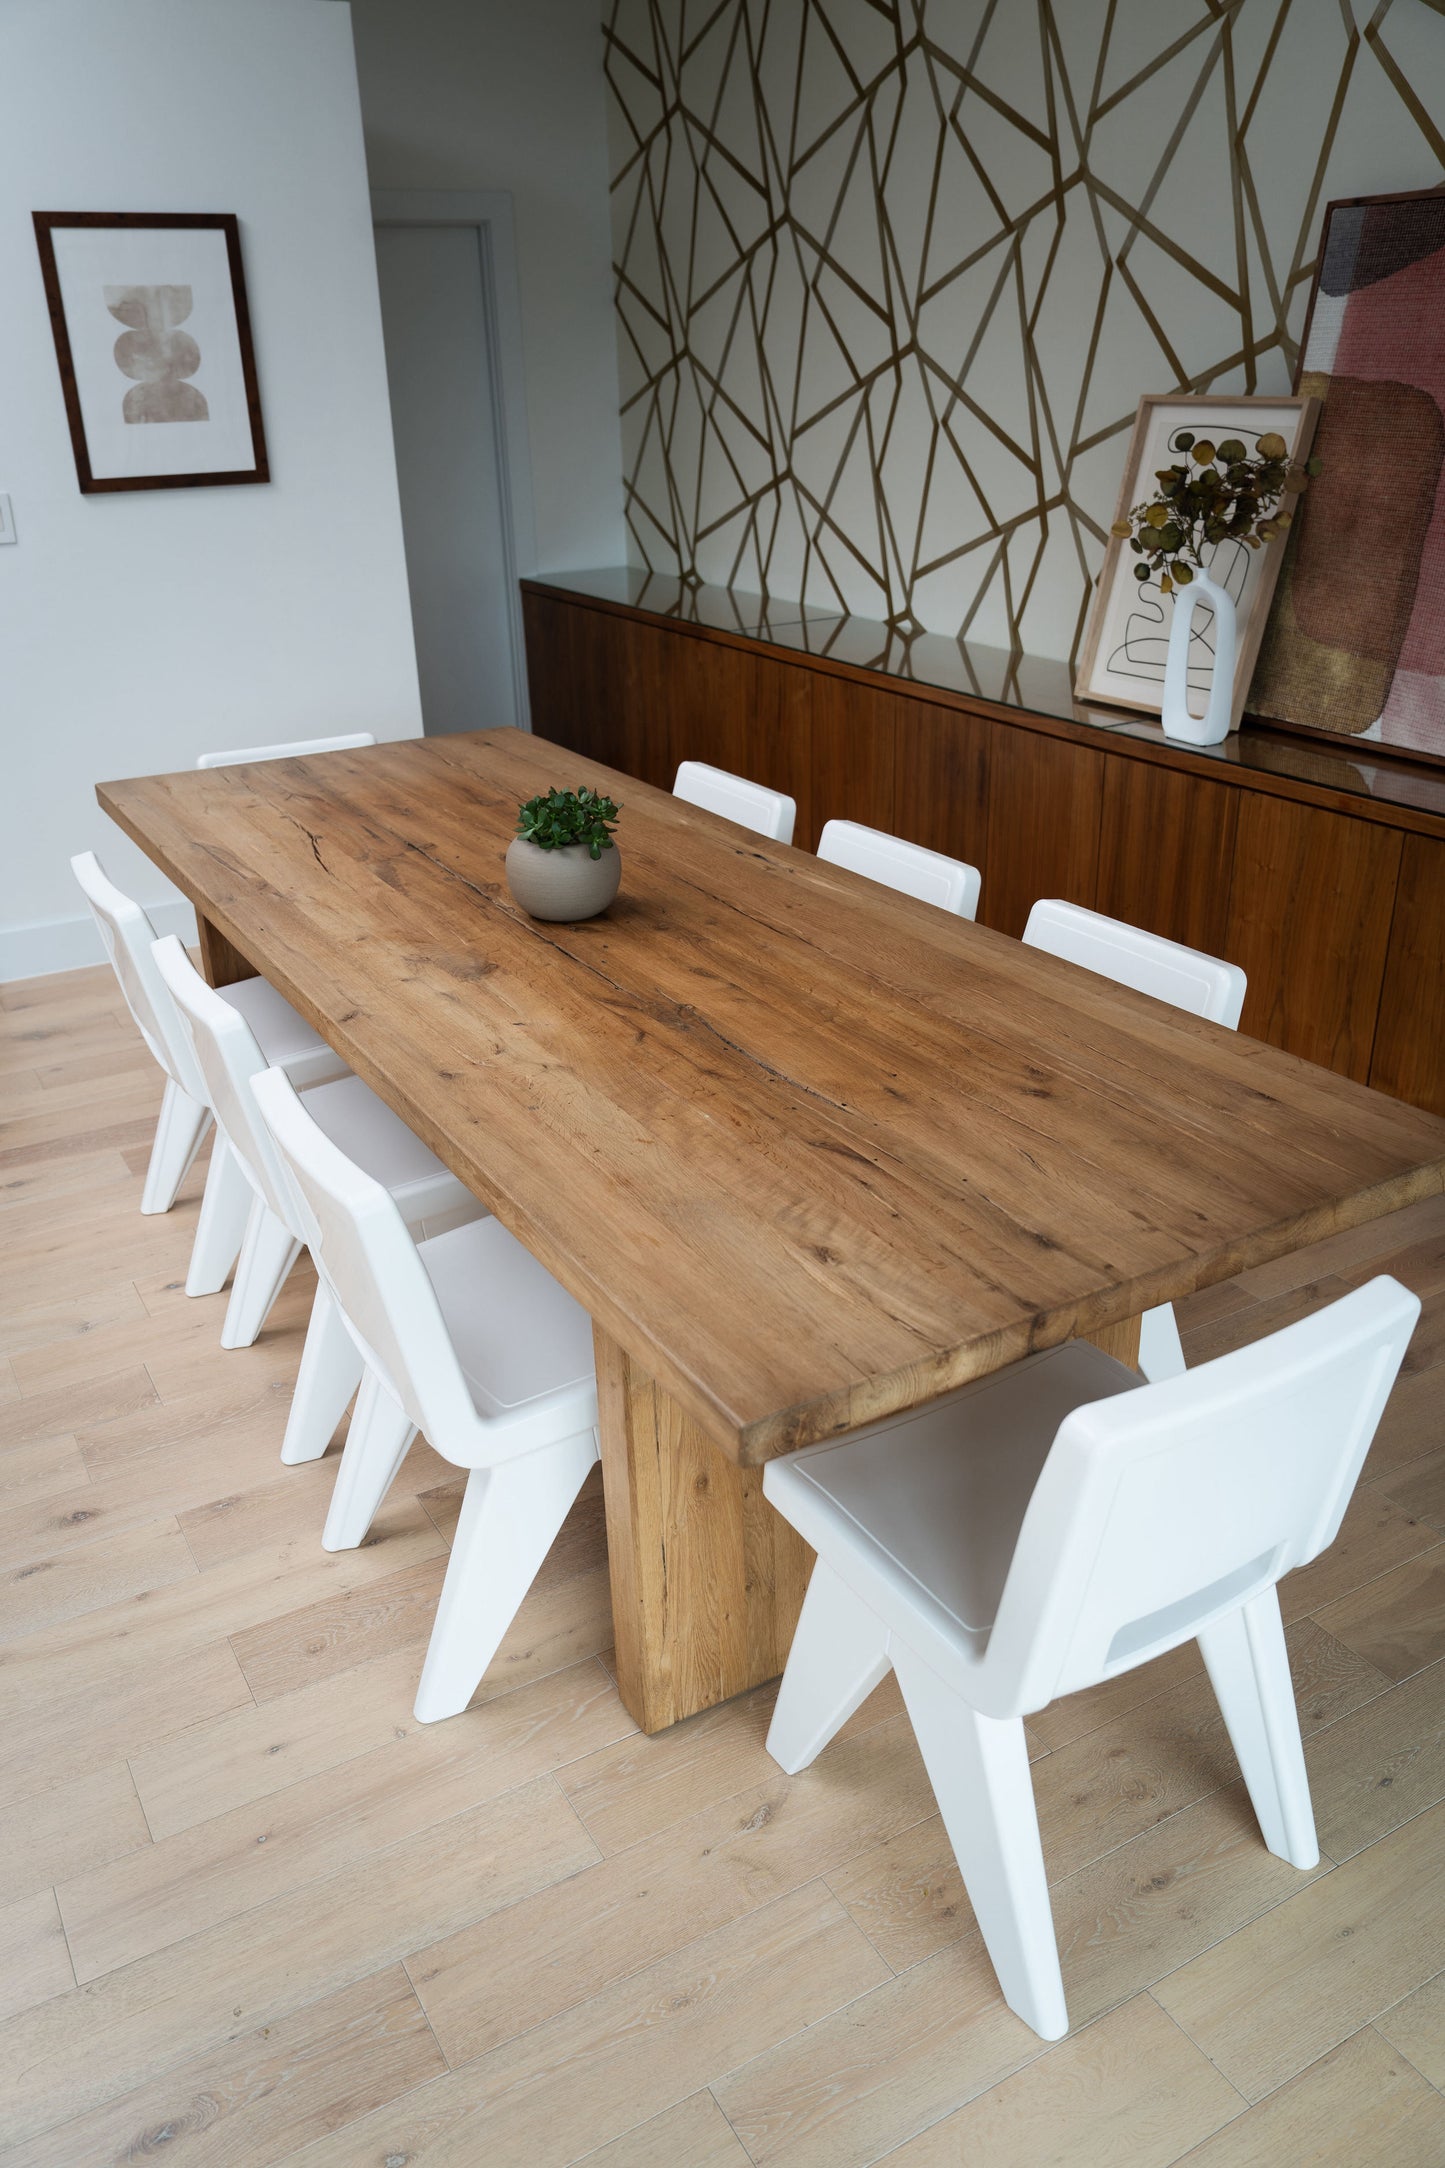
<point x="69" y="944"/>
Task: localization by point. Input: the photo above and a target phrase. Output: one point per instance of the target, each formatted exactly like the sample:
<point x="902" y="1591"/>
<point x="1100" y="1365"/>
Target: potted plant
<point x="562" y="863"/>
<point x="1213" y="493"/>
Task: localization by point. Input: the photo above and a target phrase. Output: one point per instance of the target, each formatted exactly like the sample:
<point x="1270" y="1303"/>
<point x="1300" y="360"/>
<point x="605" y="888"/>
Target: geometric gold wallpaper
<point x="891" y="278"/>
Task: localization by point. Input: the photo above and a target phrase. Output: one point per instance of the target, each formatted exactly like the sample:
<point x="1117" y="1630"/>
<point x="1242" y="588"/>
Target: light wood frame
<point x="1214" y="414"/>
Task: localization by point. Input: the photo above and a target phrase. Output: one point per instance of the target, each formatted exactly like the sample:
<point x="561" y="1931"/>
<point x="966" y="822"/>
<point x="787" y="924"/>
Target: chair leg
<point x="510" y="1518"/>
<point x="221" y="1228"/>
<point x="1160" y="1345"/>
<point x="330" y="1372"/>
<point x="1161" y="1352"/>
<point x="979" y="1769"/>
<point x="181" y="1125"/>
<point x="839" y="1654"/>
<point x="1248" y="1666"/>
<point x="376" y="1445"/>
<point x="267" y="1255"/>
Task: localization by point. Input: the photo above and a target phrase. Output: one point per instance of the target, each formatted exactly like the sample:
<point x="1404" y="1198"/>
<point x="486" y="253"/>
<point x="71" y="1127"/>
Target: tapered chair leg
<point x="267" y="1255"/>
<point x="181" y="1125"/>
<point x="979" y="1769"/>
<point x="839" y="1654"/>
<point x="330" y="1373"/>
<point x="376" y="1445"/>
<point x="1161" y="1352"/>
<point x="510" y="1518"/>
<point x="1248" y="1665"/>
<point x="221" y="1228"/>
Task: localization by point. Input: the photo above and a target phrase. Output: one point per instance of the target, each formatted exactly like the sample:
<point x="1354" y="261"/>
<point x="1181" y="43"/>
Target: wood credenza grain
<point x="1334" y="906"/>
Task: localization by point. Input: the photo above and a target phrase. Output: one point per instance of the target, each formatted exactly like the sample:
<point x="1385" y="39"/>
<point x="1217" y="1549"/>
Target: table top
<point x="810" y="1151"/>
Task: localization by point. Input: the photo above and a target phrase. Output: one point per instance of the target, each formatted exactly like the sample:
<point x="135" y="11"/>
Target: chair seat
<point x="519" y="1337"/>
<point x="927" y="1507"/>
<point x="283" y="1035"/>
<point x="428" y="1195"/>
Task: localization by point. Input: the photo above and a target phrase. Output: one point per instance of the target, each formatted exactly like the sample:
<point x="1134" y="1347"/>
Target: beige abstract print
<point x="157" y="353"/>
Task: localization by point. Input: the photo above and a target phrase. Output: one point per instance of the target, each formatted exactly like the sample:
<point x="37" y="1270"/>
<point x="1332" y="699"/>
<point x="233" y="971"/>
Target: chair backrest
<point x="1160" y="1509"/>
<point x="225" y="1050"/>
<point x="1185" y="977"/>
<point x="766" y="812"/>
<point x="364" y="1253"/>
<point x="908" y="867"/>
<point x="129" y="939"/>
<point x="242" y="754"/>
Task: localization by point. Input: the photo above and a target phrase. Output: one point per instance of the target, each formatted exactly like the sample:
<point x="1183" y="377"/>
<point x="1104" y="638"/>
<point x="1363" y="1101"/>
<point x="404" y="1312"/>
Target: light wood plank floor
<point x="251" y="1913"/>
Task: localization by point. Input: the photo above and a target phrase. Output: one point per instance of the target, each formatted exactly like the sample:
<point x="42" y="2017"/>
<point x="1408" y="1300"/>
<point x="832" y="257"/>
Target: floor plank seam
<point x="732" y="2126"/>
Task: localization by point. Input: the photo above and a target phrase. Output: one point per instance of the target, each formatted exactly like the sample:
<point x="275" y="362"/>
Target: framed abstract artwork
<point x="153" y="339"/>
<point x="1126" y="641"/>
<point x="1355" y="643"/>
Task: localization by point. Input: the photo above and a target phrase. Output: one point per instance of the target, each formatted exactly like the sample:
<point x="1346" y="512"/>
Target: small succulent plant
<point x="561" y="817"/>
<point x="1213" y="493"/>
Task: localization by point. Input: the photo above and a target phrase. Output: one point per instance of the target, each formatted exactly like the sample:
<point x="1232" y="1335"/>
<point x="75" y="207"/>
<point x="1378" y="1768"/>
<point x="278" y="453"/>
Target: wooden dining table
<point x="809" y="1153"/>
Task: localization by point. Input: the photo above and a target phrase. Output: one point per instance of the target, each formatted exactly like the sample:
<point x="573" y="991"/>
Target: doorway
<point x="451" y="321"/>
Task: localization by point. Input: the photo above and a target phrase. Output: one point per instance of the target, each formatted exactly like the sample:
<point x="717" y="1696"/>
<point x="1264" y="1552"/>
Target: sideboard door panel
<point x="1166" y="853"/>
<point x="854" y="739"/>
<point x="940" y="781"/>
<point x="1309" y="921"/>
<point x="1410" y="1037"/>
<point x="1045" y="803"/>
<point x="577" y="677"/>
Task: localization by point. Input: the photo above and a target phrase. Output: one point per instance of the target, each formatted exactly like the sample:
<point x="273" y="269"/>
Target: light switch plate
<point x="7" y="520"/>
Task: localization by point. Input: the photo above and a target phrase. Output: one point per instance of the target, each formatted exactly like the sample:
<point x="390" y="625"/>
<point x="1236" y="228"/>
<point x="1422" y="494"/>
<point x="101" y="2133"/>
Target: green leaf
<point x="555" y="819"/>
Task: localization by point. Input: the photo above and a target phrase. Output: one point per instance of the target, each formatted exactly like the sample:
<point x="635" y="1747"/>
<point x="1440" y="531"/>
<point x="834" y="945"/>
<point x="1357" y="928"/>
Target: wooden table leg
<point x="1121" y="1340"/>
<point x="221" y="964"/>
<point x="707" y="1580"/>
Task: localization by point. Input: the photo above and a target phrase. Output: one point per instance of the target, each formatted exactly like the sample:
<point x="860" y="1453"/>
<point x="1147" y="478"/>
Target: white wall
<point x="509" y="94"/>
<point x="138" y="629"/>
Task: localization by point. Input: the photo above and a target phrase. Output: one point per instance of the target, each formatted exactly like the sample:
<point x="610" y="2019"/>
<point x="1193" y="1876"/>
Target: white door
<point x="445" y="410"/>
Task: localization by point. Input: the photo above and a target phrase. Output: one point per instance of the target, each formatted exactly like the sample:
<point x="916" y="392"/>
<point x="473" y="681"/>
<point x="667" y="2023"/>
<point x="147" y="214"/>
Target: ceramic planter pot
<point x="566" y="884"/>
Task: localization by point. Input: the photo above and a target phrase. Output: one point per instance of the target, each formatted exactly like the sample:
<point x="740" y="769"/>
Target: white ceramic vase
<point x="1217" y="720"/>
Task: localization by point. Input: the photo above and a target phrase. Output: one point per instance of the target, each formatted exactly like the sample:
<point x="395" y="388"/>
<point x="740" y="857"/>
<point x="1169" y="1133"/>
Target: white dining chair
<point x="1059" y="1523"/>
<point x="285" y="1038"/>
<point x="908" y="867"/>
<point x="767" y="812"/>
<point x="427" y="1194"/>
<point x="469" y="1339"/>
<point x="1184" y="977"/>
<point x="292" y="751"/>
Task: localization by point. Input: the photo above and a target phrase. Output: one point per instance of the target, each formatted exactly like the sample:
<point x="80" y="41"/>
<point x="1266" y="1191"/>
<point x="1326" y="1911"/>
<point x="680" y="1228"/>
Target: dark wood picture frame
<point x="225" y="222"/>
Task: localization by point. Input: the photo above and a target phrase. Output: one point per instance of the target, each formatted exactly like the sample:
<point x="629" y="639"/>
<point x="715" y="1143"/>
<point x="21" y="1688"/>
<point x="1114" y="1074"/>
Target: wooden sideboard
<point x="1320" y="873"/>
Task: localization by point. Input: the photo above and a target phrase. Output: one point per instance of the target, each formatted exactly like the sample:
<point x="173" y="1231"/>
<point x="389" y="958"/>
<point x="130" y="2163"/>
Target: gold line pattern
<point x="891" y="275"/>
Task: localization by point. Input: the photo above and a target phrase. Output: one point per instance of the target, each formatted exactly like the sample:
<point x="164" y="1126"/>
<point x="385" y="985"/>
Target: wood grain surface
<point x="808" y="1151"/>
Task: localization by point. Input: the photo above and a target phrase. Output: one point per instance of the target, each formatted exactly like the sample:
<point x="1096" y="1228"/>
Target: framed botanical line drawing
<point x="1126" y="641"/>
<point x="153" y="340"/>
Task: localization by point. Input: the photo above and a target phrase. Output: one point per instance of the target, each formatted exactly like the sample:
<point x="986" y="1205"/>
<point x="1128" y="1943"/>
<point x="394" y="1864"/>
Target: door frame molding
<point x="489" y="212"/>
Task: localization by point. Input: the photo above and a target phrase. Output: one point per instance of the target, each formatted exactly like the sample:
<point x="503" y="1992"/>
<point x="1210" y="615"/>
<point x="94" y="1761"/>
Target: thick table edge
<point x="811" y="1422"/>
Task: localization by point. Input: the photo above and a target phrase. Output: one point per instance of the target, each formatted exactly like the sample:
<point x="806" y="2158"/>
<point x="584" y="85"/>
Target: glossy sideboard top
<point x="1031" y="683"/>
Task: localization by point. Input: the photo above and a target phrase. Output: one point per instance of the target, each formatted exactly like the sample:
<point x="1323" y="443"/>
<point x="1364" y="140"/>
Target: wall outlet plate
<point x="7" y="520"/>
